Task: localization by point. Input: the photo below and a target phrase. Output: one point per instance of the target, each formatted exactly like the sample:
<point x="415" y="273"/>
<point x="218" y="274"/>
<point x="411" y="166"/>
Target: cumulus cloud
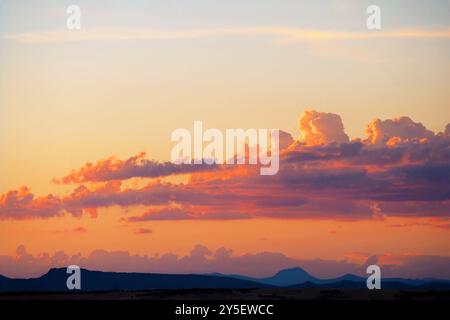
<point x="321" y="177"/>
<point x="22" y="204"/>
<point x="285" y="139"/>
<point x="318" y="128"/>
<point x="395" y="130"/>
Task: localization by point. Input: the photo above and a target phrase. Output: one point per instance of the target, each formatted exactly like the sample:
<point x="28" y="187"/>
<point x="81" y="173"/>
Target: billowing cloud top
<point x="381" y="132"/>
<point x="318" y="128"/>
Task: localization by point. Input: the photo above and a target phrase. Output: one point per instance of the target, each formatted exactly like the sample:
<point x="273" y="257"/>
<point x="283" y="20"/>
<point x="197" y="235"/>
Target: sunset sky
<point x="364" y="168"/>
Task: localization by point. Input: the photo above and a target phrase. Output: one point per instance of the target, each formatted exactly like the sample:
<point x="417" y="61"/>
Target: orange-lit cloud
<point x="136" y="166"/>
<point x="22" y="204"/>
<point x="401" y="169"/>
<point x="318" y="128"/>
<point x="382" y="132"/>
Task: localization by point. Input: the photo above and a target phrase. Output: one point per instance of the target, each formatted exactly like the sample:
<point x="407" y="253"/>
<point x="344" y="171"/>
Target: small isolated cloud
<point x="80" y="230"/>
<point x="143" y="231"/>
<point x="165" y="213"/>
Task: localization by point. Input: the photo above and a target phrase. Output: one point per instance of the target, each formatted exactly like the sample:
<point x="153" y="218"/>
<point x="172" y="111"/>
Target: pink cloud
<point x="319" y="177"/>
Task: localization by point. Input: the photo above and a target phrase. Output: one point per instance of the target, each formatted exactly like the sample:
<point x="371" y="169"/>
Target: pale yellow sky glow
<point x="286" y="34"/>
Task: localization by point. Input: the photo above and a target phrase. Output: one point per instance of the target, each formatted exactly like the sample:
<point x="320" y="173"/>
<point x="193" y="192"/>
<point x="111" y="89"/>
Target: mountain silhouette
<point x="299" y="278"/>
<point x="55" y="281"/>
<point x="285" y="277"/>
<point x="295" y="276"/>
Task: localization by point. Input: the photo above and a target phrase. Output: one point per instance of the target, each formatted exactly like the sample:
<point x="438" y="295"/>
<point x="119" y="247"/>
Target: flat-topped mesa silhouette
<point x="55" y="280"/>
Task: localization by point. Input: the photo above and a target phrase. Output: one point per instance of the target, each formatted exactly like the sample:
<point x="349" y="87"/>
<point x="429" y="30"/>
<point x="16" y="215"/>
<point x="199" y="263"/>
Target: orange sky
<point x="74" y="100"/>
<point x="326" y="239"/>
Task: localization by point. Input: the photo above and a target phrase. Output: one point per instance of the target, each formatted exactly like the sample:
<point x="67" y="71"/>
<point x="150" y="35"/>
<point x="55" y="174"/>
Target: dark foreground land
<point x="236" y="294"/>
